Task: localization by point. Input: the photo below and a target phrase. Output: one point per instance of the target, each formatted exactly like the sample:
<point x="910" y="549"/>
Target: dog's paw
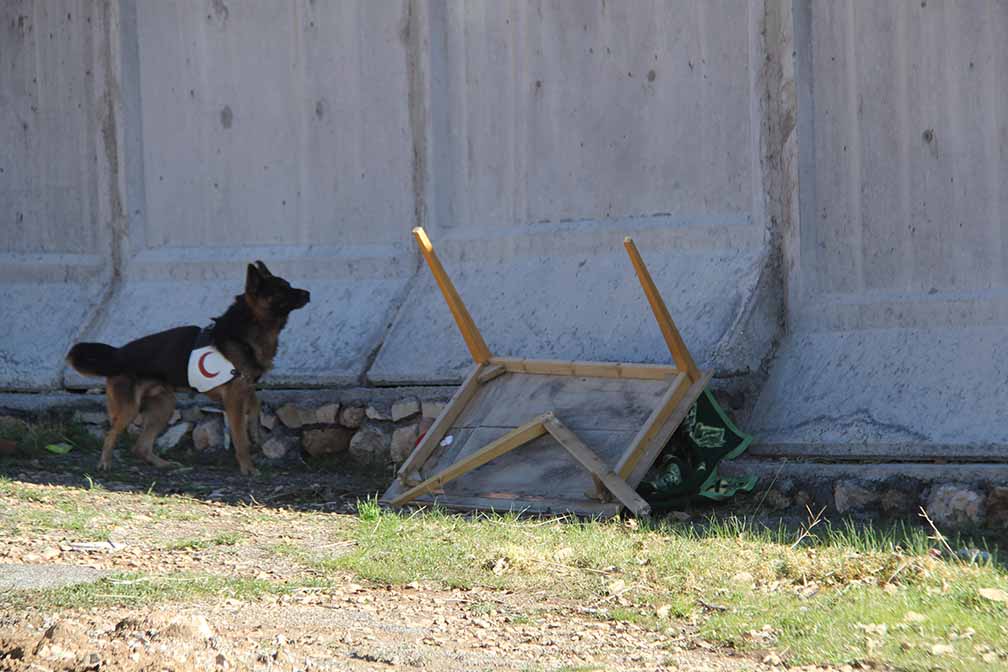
<point x="248" y="469"/>
<point x="104" y="465"/>
<point x="164" y="464"/>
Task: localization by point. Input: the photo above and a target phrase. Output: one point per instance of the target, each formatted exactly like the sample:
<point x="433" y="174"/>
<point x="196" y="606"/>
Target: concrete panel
<point x="557" y="111"/>
<point x="272" y="123"/>
<point x="274" y="131"/>
<point x="904" y="303"/>
<point x="556" y="129"/>
<point x="57" y="130"/>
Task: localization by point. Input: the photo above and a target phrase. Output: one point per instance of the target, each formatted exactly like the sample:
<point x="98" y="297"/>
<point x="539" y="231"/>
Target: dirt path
<point x="354" y="629"/>
<point x="236" y="529"/>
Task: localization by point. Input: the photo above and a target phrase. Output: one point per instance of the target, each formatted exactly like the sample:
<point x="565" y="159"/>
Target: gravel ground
<point x="60" y="525"/>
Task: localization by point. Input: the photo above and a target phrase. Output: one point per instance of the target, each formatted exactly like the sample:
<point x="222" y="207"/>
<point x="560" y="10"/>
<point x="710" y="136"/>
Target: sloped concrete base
<point x="897" y="393"/>
<point x="44" y="306"/>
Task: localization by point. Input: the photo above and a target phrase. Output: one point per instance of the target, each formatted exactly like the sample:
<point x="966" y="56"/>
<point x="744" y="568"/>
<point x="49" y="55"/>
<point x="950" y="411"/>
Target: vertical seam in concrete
<point x="418" y="117"/>
<point x="770" y="183"/>
<point x="418" y="101"/>
<point x="903" y="111"/>
<point x="301" y="109"/>
<point x="132" y="128"/>
<point x="110" y="128"/>
<point x="38" y="167"/>
<point x="760" y="114"/>
<point x="953" y="112"/>
<point x="805" y="102"/>
<point x="994" y="167"/>
<point x="855" y="139"/>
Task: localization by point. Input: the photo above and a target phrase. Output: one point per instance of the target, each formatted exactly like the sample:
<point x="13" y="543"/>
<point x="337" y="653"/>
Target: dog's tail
<point x="96" y="359"/>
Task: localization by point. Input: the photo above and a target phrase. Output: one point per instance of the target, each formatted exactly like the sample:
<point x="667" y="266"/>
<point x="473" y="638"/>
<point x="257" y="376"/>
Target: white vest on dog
<point x="208" y="368"/>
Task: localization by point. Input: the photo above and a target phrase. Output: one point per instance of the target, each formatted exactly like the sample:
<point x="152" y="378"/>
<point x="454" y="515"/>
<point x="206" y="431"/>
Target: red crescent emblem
<point x="202" y="368"/>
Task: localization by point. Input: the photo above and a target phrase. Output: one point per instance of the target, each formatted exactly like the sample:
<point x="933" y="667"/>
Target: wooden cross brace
<point x="547" y="423"/>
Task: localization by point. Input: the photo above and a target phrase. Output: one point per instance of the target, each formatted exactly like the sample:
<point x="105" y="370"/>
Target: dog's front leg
<point x="237" y="398"/>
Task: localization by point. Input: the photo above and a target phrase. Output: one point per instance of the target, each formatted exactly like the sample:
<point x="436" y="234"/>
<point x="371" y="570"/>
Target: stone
<point x="173" y="436"/>
<point x="10" y="422"/>
<point x="323" y="442"/>
<point x="786" y="485"/>
<point x="851" y="496"/>
<point x="327" y="414"/>
<point x="405" y="408"/>
<point x="776" y="500"/>
<point x="209" y="435"/>
<point x="897" y="503"/>
<point x="375" y="413"/>
<point x="90" y="417"/>
<point x="432" y="409"/>
<point x="425" y="425"/>
<point x="97" y="432"/>
<point x="267" y="419"/>
<point x="192" y="414"/>
<point x="403" y="442"/>
<point x="278" y="447"/>
<point x="370" y="446"/>
<point x="802" y="499"/>
<point x="351" y="416"/>
<point x="997" y="507"/>
<point x="955" y="506"/>
<point x="188" y="627"/>
<point x="175" y="417"/>
<point x="294" y="416"/>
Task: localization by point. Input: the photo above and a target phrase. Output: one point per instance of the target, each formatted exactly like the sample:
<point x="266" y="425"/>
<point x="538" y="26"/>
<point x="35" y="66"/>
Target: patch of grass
<point x="369" y="509"/>
<point x="81" y="521"/>
<point x="821" y="599"/>
<point x="199" y="544"/>
<point x="133" y="589"/>
<point x="32" y="438"/>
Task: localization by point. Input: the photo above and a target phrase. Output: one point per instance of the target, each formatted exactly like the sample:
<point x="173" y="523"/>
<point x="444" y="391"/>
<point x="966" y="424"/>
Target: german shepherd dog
<point x="143" y="375"/>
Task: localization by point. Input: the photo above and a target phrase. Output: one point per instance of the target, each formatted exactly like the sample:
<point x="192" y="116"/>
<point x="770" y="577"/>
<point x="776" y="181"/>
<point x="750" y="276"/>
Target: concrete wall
<point x="528" y="137"/>
<point x="557" y="128"/>
<point x="817" y="187"/>
<point x="899" y="286"/>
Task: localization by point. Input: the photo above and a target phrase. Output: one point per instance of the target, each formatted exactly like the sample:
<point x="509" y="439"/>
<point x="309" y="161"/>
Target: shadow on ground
<point x="301" y="486"/>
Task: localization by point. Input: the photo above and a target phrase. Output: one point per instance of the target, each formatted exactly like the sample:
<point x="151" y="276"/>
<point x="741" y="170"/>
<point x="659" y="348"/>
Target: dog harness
<point x="208" y="368"/>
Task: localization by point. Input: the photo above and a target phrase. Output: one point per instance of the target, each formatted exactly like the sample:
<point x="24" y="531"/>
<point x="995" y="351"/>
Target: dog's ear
<point x="252" y="279"/>
<point x="263" y="270"/>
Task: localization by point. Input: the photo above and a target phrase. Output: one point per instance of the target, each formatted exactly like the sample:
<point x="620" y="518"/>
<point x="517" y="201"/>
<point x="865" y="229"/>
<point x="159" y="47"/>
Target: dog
<point x="224" y="361"/>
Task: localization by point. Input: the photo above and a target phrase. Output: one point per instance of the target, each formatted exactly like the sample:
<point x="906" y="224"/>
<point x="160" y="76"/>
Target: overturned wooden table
<point x="549" y="436"/>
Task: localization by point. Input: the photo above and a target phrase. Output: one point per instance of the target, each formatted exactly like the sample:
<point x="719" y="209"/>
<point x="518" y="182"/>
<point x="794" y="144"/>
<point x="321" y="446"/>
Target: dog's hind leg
<point x="254" y="428"/>
<point x="123" y="406"/>
<point x="158" y="404"/>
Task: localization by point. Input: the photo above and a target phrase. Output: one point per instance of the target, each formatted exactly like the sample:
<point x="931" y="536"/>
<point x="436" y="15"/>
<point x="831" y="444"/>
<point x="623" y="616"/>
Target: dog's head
<point x="270" y="296"/>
